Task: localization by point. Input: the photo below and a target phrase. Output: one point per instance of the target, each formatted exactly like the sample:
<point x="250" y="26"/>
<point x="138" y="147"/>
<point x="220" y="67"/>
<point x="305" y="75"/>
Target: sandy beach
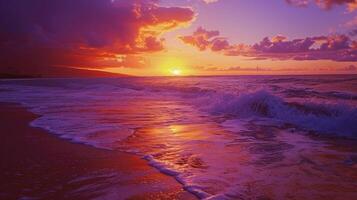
<point x="37" y="165"/>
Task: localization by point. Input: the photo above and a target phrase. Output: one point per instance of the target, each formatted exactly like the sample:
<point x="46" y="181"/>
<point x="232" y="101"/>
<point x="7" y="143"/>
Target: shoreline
<point x="37" y="164"/>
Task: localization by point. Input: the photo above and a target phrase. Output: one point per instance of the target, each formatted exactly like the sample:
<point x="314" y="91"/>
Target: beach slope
<point x="35" y="164"/>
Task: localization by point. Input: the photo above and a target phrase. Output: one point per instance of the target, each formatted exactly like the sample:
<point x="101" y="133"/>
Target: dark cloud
<point x="82" y="32"/>
<point x="353" y="32"/>
<point x="334" y="47"/>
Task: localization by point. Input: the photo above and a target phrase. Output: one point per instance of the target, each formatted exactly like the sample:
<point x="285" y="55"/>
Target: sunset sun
<point x="176" y="72"/>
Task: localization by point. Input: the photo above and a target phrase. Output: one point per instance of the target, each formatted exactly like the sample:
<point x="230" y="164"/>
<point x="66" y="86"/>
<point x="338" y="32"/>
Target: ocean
<point x="227" y="137"/>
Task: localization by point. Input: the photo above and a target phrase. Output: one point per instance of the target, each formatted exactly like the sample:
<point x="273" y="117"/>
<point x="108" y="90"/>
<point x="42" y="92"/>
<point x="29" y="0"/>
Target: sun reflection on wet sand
<point x="258" y="162"/>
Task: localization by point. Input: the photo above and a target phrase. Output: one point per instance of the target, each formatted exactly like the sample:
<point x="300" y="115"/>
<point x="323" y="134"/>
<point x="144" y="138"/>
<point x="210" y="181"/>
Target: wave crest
<point x="338" y="119"/>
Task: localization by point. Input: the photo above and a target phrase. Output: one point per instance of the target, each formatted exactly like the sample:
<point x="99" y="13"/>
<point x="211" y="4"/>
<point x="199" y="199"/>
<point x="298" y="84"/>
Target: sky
<point x="180" y="37"/>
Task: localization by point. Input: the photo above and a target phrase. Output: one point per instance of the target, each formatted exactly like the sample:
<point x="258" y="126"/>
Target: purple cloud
<point x="334" y="47"/>
<point x="325" y="4"/>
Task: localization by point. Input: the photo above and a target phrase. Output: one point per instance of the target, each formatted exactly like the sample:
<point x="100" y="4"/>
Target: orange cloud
<point x="200" y="38"/>
<point x="82" y="33"/>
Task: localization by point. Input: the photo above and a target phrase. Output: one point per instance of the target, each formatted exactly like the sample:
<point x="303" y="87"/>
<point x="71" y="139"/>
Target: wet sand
<point x="35" y="164"/>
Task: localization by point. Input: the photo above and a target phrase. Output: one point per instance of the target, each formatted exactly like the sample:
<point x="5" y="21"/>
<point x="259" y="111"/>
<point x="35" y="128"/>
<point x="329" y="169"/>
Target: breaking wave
<point x="338" y="119"/>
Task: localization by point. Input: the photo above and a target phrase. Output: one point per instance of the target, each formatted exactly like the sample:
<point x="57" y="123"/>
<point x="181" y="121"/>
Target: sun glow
<point x="176" y="72"/>
<point x="171" y="65"/>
